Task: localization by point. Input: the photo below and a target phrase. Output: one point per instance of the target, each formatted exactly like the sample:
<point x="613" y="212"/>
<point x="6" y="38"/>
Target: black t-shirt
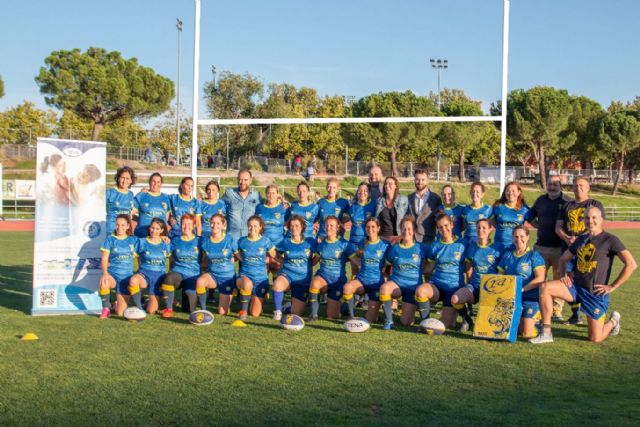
<point x="573" y="216"/>
<point x="546" y="210"/>
<point x="387" y="219"/>
<point x="594" y="258"/>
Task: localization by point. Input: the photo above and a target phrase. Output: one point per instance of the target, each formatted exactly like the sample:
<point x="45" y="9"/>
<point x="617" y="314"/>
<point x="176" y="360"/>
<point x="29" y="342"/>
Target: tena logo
<point x="72" y="152"/>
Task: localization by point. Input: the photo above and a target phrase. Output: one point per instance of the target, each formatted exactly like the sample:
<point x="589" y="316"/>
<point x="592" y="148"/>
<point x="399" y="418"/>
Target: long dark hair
<point x="503" y="198"/>
<point x="395" y="194"/>
<point x="126" y="169"/>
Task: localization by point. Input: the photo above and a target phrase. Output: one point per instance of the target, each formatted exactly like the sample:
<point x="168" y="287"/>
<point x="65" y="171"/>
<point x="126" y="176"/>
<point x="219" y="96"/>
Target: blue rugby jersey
<point x="333" y="259"/>
<point x="372" y="262"/>
<point x="407" y="264"/>
<point x="220" y="254"/>
<point x="208" y="210"/>
<point x="508" y="218"/>
<point x="358" y="214"/>
<point x="119" y="203"/>
<point x="483" y="259"/>
<point x="121" y="252"/>
<point x="309" y="212"/>
<point x="524" y="266"/>
<point x="326" y="208"/>
<point x="470" y="216"/>
<point x="253" y="263"/>
<point x="180" y="206"/>
<point x="455" y="212"/>
<point x="151" y="205"/>
<point x="449" y="260"/>
<point x="297" y="258"/>
<point x="273" y="217"/>
<point x="186" y="256"/>
<point x="153" y="257"/>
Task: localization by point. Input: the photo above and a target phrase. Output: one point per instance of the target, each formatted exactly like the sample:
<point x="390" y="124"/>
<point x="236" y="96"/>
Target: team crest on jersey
<point x="117" y="203"/>
<point x="164" y="206"/>
<point x="525" y="267"/>
<point x="457" y="255"/>
<point x="308" y="215"/>
<point x="277" y="215"/>
<point x="367" y="215"/>
<point x="520" y="217"/>
<point x="491" y="258"/>
<point x="337" y="211"/>
<point x="260" y="251"/>
<point x="379" y="253"/>
<point x="146" y="204"/>
<point x="225" y="252"/>
<point x="481" y="216"/>
<point x="415" y="257"/>
<point x="177" y="251"/>
<point x="307" y="252"/>
<point x="191" y="210"/>
<point x="338" y="253"/>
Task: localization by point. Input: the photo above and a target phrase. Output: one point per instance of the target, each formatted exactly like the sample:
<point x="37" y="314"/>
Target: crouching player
<point x="219" y="254"/>
<point x="593" y="255"/>
<point x="118" y="251"/>
<point x="445" y="266"/>
<point x="529" y="265"/>
<point x="253" y="279"/>
<point x="331" y="276"/>
<point x="406" y="258"/>
<point x="370" y="257"/>
<point x="184" y="266"/>
<point x="482" y="258"/>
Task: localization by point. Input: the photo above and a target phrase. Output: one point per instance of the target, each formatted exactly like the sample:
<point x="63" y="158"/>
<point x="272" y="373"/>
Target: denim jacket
<point x="401" y="204"/>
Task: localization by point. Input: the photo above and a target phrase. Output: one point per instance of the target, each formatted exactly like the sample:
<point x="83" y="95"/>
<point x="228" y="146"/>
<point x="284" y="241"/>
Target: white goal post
<point x="229" y="122"/>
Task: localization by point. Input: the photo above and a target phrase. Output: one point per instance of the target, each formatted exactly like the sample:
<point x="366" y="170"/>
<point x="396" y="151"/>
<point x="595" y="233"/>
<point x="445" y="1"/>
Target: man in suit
<point x="423" y="205"/>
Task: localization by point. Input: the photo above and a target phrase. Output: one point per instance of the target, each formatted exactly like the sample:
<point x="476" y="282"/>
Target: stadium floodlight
<point x="317" y="120"/>
<point x="439" y="65"/>
<point x="179" y="27"/>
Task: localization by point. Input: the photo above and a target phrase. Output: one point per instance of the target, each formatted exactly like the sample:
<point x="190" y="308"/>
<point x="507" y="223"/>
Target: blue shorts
<point x="530" y="309"/>
<point x="373" y="292"/>
<point x="122" y="283"/>
<point x="189" y="284"/>
<point x="409" y="295"/>
<point x="154" y="281"/>
<point x="225" y="285"/>
<point x="335" y="286"/>
<point x="594" y="306"/>
<point x="260" y="285"/>
<point x="297" y="282"/>
<point x="299" y="292"/>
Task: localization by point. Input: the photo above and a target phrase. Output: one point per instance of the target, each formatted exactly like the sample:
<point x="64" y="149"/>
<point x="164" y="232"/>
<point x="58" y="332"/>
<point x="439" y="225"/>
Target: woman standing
<point x="475" y="211"/>
<point x="153" y="252"/>
<point x="210" y="206"/>
<point x="359" y="213"/>
<point x="253" y="280"/>
<point x="118" y="251"/>
<point x="120" y="199"/>
<point x="273" y="214"/>
<point x="298" y="255"/>
<point x="305" y="209"/>
<point x="370" y="258"/>
<point x="529" y="265"/>
<point x="151" y="204"/>
<point x="451" y="208"/>
<point x="220" y="252"/>
<point x="331" y="205"/>
<point x="184" y="203"/>
<point x="391" y="210"/>
<point x="509" y="212"/>
<point x="406" y="258"/>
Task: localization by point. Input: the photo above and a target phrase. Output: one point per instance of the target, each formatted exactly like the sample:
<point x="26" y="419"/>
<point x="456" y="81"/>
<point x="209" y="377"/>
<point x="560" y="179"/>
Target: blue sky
<point x="347" y="47"/>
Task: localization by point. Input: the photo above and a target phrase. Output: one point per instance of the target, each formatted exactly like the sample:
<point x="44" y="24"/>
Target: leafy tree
<point x="619" y="134"/>
<point x="458" y="139"/>
<point x="582" y="126"/>
<point x="103" y="87"/>
<point x="391" y="139"/>
<point x="24" y="123"/>
<point x="235" y="96"/>
<point x="538" y="117"/>
<point x="1" y="87"/>
<point x="73" y="127"/>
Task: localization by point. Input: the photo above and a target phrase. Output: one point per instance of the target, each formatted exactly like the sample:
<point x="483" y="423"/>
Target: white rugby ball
<point x="358" y="324"/>
<point x="292" y="322"/>
<point x="201" y="318"/>
<point x="134" y="314"/>
<point x="432" y="327"/>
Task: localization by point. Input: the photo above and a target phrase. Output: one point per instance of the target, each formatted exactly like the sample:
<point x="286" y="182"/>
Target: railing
<point x="623" y="213"/>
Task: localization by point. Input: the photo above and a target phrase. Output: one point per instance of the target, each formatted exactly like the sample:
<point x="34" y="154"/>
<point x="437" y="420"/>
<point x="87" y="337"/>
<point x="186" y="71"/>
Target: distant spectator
<point x="297" y="164"/>
<point x="147" y="153"/>
<point x="310" y="172"/>
<point x="209" y="161"/>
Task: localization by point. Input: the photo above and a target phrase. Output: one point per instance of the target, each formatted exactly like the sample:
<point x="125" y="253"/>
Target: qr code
<point x="47" y="298"/>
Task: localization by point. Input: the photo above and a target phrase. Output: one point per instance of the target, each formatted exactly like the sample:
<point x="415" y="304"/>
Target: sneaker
<point x="106" y="312"/>
<point x="575" y="319"/>
<point x="277" y="315"/>
<point x="312" y="319"/>
<point x="542" y="339"/>
<point x="557" y="318"/>
<point x="242" y="315"/>
<point x="167" y="313"/>
<point x="465" y="326"/>
<point x="616" y="329"/>
<point x="387" y="326"/>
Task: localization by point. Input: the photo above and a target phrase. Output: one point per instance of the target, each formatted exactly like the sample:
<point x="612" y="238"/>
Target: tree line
<point x="105" y="96"/>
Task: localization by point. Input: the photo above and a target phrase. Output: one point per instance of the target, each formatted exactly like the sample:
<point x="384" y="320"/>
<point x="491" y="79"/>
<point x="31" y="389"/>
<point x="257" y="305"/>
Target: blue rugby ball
<point x="201" y="318"/>
<point x="432" y="327"/>
<point x="292" y="322"/>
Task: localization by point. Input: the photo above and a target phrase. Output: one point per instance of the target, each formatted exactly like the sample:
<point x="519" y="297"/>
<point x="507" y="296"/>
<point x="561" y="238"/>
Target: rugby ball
<point x="432" y="327"/>
<point x="134" y="314"/>
<point x="201" y="318"/>
<point x="292" y="322"/>
<point x="358" y="324"/>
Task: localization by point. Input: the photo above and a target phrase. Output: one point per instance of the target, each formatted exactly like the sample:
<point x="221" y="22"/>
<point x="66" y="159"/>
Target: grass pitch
<point x="167" y="372"/>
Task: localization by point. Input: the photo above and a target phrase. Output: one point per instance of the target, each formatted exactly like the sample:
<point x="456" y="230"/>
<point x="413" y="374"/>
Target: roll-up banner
<point x="500" y="307"/>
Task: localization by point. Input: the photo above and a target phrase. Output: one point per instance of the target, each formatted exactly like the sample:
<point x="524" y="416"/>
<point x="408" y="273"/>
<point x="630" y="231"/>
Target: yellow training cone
<point x="239" y="324"/>
<point x="29" y="336"/>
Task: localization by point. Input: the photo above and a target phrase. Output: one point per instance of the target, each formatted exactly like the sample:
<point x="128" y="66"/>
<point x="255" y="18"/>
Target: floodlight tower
<point x="439" y="65"/>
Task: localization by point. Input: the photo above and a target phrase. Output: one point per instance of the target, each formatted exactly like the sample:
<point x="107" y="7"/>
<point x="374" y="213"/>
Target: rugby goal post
<point x="430" y="119"/>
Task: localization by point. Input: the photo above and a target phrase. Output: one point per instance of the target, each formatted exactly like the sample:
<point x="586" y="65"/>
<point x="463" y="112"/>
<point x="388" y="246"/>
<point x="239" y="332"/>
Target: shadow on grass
<point x="16" y="287"/>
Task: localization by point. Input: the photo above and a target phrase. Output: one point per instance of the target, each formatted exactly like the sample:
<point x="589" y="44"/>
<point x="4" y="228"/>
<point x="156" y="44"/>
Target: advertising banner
<point x="500" y="307"/>
<point x="69" y="226"/>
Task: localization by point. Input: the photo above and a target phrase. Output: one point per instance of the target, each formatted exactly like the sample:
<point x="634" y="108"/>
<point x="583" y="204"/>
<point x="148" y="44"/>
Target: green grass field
<point x="167" y="372"/>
